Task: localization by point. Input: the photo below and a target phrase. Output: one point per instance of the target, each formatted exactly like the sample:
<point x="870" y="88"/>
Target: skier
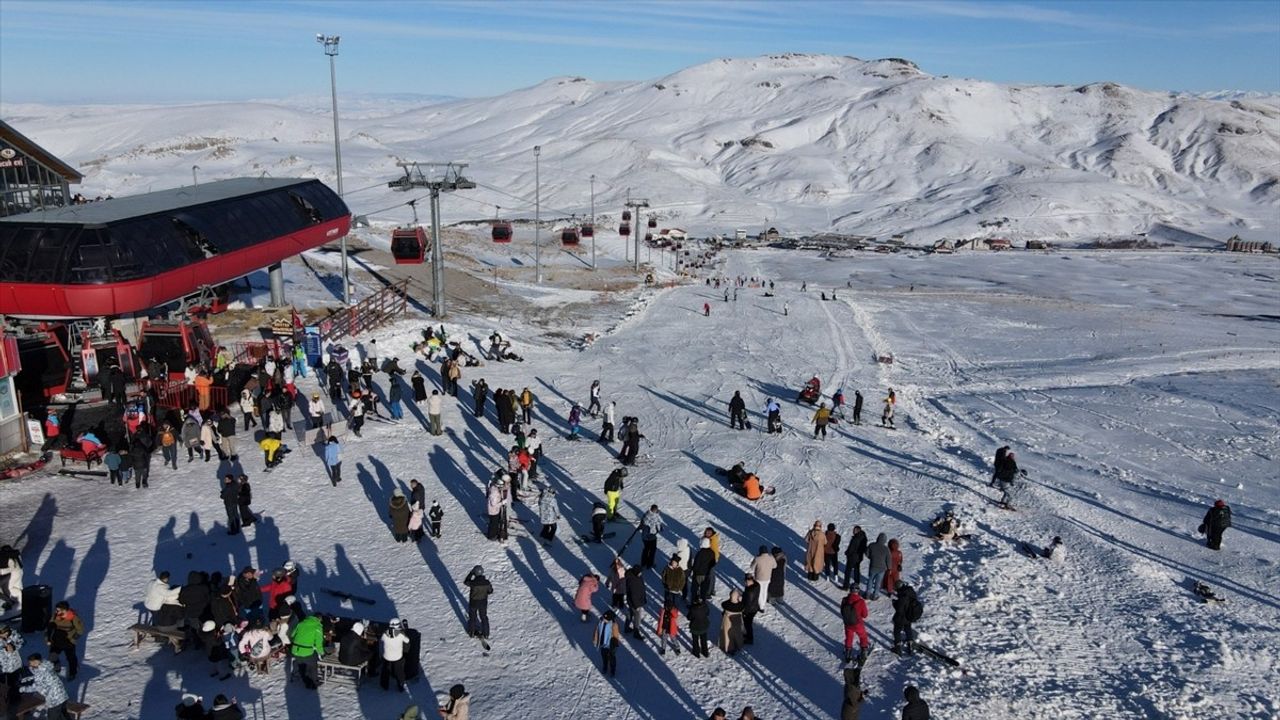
<point x="853" y="611"/>
<point x="575" y="417"/>
<point x="613" y="490"/>
<point x="636" y="600"/>
<point x="333" y="460"/>
<point x="857" y="407"/>
<point x="916" y="708"/>
<point x="906" y="611"/>
<point x="587" y="587"/>
<point x="478" y="603"/>
<point x="394" y="643"/>
<point x="773" y="411"/>
<point x="853" y="554"/>
<point x="231" y="503"/>
<point x="306" y="645"/>
<point x="459" y="705"/>
<point x="594" y="407"/>
<point x="479" y="391"/>
<point x="436" y="516"/>
<point x="751" y="607"/>
<point x="435" y="407"/>
<point x="820" y="420"/>
<point x="831" y="554"/>
<point x="607" y="637"/>
<point x="650" y="528"/>
<point x="877" y="566"/>
<point x="606" y="428"/>
<point x="699" y="624"/>
<point x="668" y="627"/>
<point x="778" y="578"/>
<point x="398" y="512"/>
<point x="815" y="551"/>
<point x="1216" y="522"/>
<point x="731" y="623"/>
<point x="548" y="513"/>
<point x="737" y="411"/>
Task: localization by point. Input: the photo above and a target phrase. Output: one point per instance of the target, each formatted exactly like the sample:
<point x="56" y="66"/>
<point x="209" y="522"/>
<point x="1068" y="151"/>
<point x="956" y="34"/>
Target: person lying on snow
<point x="743" y="482"/>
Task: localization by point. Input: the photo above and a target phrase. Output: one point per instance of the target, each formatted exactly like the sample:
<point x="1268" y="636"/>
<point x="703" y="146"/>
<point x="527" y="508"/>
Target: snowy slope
<point x="1131" y="405"/>
<point x="802" y="142"/>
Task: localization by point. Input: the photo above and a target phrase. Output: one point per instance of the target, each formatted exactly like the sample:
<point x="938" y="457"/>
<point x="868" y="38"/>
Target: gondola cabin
<point x="46" y="366"/>
<point x="653" y="222"/>
<point x="588" y="230"/>
<point x="569" y="237"/>
<point x="409" y="245"/>
<point x="626" y="215"/>
<point x="176" y="345"/>
<point x="648" y="237"/>
<point x="624" y="229"/>
<point x="501" y="231"/>
<point x="98" y="354"/>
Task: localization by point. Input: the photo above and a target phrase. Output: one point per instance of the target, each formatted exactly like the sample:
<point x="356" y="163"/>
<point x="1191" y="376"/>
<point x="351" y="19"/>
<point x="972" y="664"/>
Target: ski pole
<point x="628" y="542"/>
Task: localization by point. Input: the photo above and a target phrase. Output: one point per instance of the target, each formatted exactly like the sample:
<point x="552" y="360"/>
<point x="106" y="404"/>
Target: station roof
<point x="28" y="147"/>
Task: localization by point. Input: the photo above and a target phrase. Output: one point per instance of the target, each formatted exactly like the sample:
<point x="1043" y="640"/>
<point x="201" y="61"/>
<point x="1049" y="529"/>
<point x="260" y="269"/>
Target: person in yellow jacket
<point x="820" y="420"/>
<point x="271" y="448"/>
<point x="526" y="405"/>
<point x="711" y="535"/>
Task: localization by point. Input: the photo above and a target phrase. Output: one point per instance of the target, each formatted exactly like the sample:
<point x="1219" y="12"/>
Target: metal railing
<point x="367" y="314"/>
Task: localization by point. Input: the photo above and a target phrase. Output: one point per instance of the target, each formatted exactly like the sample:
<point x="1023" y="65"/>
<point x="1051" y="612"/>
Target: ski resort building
<point x="31" y="178"/>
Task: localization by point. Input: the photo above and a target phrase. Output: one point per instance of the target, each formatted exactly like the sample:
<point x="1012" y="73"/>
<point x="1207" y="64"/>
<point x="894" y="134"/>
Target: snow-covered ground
<point x="1135" y="387"/>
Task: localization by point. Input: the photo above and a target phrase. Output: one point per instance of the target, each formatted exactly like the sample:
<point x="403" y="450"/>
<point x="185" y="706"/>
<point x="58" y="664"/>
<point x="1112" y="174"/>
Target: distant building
<point x="1235" y="244"/>
<point x="31" y="178"/>
<point x="998" y="243"/>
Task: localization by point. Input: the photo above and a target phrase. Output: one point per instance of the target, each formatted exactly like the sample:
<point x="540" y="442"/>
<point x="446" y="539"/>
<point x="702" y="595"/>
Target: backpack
<point x="915" y="610"/>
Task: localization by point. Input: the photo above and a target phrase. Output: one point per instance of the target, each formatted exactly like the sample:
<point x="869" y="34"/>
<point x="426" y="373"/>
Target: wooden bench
<point x="76" y="454"/>
<point x="173" y="636"/>
<point x="31" y="702"/>
<point x="330" y="669"/>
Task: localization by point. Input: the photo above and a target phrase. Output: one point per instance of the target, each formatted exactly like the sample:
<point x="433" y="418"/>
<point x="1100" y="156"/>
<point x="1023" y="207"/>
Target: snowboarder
<point x="436" y="516"/>
<point x="593" y="408"/>
<point x="737" y="412"/>
<point x="394" y="643"/>
<point x="853" y="611"/>
<point x="607" y="637"/>
<point x="587" y="587"/>
<point x="877" y="566"/>
<point x="815" y="551"/>
<point x="731" y="632"/>
<point x="613" y="490"/>
<point x="831" y="554"/>
<point x="820" y="420"/>
<point x="398" y="512"/>
<point x="333" y="460"/>
<point x="916" y="708"/>
<point x="478" y="603"/>
<point x="1216" y="522"/>
<point x="548" y="513"/>
<point x="650" y="528"/>
<point x="231" y="503"/>
<point x="907" y="609"/>
<point x="853" y="554"/>
<point x="857" y="407"/>
<point x="699" y="625"/>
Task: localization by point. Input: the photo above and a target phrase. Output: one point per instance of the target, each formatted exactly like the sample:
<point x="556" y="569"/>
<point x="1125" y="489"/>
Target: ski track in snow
<point x="1128" y="427"/>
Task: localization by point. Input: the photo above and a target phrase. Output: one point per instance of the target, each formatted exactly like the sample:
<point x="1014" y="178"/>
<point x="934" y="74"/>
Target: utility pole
<point x="593" y="222"/>
<point x="537" y="216"/>
<point x="330" y="43"/>
<point x="194" y="180"/>
<point x="450" y="179"/>
<point x="635" y="206"/>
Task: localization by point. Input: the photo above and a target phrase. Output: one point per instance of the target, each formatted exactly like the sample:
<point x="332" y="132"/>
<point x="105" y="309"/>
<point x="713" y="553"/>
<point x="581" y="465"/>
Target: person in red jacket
<point x="894" y="572"/>
<point x="52" y="431"/>
<point x="668" y="626"/>
<point x="280" y="587"/>
<point x="853" y="611"/>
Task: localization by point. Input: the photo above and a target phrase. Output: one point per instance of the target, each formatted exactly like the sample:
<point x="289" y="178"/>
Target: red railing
<point x="178" y="395"/>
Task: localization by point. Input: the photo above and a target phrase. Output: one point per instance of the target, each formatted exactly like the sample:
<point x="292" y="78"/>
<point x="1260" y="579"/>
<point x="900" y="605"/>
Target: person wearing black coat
<point x="353" y="649"/>
<point x="419" y="387"/>
<point x="191" y="708"/>
<point x="704" y="564"/>
<point x="245" y="500"/>
<point x="117" y="385"/>
<point x="751" y="603"/>
<point x="916" y="708"/>
<point x="699" y="625"/>
<point x="853" y="555"/>
<point x="737" y="412"/>
<point x="231" y="503"/>
<point x="194" y="598"/>
<point x="223" y="605"/>
<point x="224" y="709"/>
<point x="333" y="373"/>
<point x="248" y="594"/>
<point x="227" y="432"/>
<point x="1216" y="522"/>
<point x="904" y="599"/>
<point x="636" y="598"/>
<point x="778" y="581"/>
<point x="478" y="603"/>
<point x="480" y="391"/>
<point x="140" y="459"/>
<point x="857" y="407"/>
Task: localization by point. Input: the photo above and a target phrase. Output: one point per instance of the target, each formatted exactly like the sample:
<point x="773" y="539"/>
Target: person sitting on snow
<point x="945" y="526"/>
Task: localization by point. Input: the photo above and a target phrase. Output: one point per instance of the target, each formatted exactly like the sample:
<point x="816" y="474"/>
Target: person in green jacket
<point x="307" y="647"/>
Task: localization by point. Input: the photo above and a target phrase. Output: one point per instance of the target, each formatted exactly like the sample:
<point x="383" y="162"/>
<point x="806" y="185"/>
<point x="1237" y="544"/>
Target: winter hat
<point x="315" y="396"/>
<point x="188" y="699"/>
<point x="434" y="503"/>
<point x="763" y="549"/>
<point x="1220" y="503"/>
<point x="477" y="570"/>
<point x="706" y="543"/>
<point x="358" y="628"/>
<point x="910" y="693"/>
<point x="290" y="566"/>
<point x="208" y="626"/>
<point x="395" y="622"/>
<point x="397" y="493"/>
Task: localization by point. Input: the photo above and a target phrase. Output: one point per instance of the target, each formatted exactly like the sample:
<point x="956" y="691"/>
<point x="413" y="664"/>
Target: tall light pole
<point x="537" y="215"/>
<point x="593" y="222"/>
<point x="330" y="43"/>
<point x="194" y="180"/>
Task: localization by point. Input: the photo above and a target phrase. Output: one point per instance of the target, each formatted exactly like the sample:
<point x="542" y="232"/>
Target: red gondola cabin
<point x="409" y="245"/>
<point x="501" y="231"/>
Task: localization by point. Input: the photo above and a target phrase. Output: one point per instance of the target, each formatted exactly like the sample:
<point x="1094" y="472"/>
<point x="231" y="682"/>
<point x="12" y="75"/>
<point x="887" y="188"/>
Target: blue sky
<point x="121" y="51"/>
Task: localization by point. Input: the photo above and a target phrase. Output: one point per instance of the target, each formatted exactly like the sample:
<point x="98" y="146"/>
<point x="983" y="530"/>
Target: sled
<point x="27" y="469"/>
<point x="940" y="656"/>
<point x="885" y="359"/>
<point x="348" y="596"/>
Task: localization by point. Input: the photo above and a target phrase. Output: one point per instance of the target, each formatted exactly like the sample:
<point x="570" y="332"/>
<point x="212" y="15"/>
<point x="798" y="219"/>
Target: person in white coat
<point x="606" y="428"/>
<point x="762" y="567"/>
<point x="10" y="576"/>
<point x="162" y="601"/>
<point x="548" y="513"/>
<point x="394" y="643"/>
<point x="315" y="412"/>
<point x="435" y="412"/>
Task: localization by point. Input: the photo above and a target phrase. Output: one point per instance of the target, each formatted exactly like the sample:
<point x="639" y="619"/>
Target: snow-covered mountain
<point x="801" y="142"/>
